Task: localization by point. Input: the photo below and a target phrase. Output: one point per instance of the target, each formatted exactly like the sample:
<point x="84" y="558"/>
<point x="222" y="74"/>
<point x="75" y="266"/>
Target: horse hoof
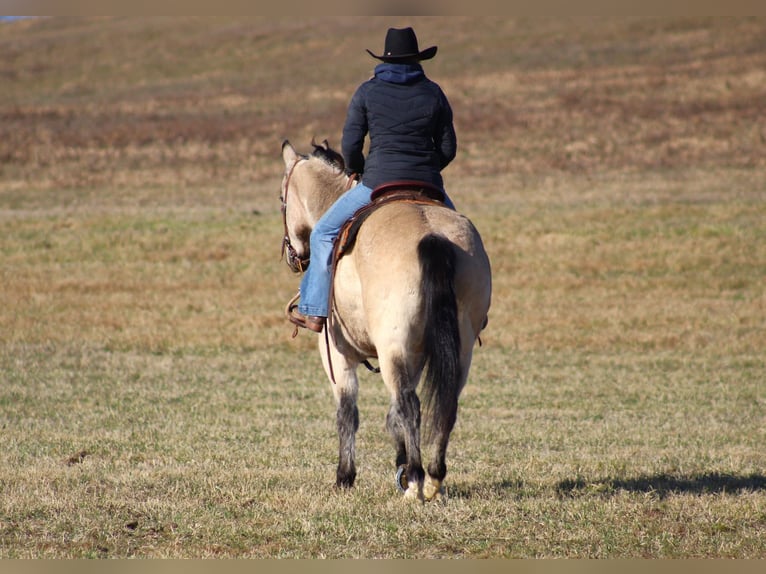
<point x="401" y="479"/>
<point x="432" y="489"/>
<point x="414" y="493"/>
<point x="411" y="491"/>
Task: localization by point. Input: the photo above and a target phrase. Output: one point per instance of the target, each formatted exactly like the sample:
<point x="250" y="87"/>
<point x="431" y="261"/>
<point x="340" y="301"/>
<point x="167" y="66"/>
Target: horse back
<point x="377" y="289"/>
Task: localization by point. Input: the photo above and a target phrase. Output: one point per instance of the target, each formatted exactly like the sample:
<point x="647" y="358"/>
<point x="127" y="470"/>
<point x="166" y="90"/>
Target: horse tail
<point x="442" y="381"/>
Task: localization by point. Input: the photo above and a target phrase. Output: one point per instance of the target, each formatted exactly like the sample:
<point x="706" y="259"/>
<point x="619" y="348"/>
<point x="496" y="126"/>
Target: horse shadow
<point x="661" y="485"/>
<point x="664" y="484"/>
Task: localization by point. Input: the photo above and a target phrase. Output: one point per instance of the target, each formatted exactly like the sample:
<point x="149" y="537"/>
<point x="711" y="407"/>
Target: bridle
<point x="296" y="263"/>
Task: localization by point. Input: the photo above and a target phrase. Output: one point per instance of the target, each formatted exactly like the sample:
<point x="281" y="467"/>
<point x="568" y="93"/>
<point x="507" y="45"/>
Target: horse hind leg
<point x="403" y="423"/>
<point x="437" y="470"/>
<point x="433" y="486"/>
<point x="396" y="430"/>
<point x="408" y="412"/>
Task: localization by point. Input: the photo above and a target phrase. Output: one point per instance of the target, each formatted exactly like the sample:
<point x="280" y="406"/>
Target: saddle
<point x="410" y="191"/>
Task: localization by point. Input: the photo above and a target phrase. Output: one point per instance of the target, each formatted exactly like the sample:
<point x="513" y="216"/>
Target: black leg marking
<point x="409" y="406"/>
<point x="396" y="430"/>
<point x="348" y="423"/>
<point x="438" y="467"/>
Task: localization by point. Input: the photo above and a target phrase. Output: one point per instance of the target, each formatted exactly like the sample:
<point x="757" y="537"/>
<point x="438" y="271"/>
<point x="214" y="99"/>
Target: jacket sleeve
<point x="445" y="138"/>
<point x="354" y="132"/>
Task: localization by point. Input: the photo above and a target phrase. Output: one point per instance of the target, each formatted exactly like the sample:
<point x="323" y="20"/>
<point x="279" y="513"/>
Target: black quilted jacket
<point x="409" y="121"/>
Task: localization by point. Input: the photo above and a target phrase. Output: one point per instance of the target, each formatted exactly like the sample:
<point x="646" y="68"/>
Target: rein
<point x="295" y="263"/>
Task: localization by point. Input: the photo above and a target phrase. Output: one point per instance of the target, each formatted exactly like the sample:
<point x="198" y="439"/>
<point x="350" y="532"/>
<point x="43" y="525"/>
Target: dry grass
<point x="152" y="403"/>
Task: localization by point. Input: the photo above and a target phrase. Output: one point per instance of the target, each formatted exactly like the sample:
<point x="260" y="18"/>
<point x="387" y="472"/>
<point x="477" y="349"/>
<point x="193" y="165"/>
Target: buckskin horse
<point x="412" y="291"/>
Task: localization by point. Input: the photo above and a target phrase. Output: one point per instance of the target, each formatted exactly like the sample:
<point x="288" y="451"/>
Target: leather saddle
<point x="411" y="191"/>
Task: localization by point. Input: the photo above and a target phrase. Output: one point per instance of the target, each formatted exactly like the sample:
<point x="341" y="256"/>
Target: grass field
<point x="153" y="404"/>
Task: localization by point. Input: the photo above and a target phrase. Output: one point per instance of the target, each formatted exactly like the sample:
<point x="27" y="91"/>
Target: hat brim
<point x="426" y="54"/>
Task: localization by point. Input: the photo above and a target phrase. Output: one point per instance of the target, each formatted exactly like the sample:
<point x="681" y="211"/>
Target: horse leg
<point x="345" y="390"/>
<point x="347" y="419"/>
<point x="403" y="423"/>
<point x="437" y="468"/>
<point x="396" y="430"/>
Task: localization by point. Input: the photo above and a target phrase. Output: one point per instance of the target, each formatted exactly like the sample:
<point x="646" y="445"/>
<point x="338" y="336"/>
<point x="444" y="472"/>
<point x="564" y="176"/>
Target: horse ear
<point x="325" y="145"/>
<point x="289" y="155"/>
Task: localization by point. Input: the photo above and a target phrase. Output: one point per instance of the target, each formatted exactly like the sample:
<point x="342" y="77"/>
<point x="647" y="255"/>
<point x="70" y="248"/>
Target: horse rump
<point x="442" y="380"/>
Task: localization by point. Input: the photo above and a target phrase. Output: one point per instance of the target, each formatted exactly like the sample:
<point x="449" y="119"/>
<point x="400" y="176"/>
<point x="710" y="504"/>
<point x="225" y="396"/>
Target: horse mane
<point x="329" y="170"/>
<point x="328" y="155"/>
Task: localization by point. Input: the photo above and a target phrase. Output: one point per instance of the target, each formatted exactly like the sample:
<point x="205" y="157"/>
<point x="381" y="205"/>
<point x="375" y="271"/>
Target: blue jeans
<point x="315" y="285"/>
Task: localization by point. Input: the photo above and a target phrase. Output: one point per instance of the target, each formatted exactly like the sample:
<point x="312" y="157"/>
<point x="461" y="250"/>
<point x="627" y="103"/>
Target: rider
<point x="412" y="137"/>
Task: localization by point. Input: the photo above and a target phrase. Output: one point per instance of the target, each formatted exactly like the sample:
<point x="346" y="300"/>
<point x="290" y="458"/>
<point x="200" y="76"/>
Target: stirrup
<point x="312" y="323"/>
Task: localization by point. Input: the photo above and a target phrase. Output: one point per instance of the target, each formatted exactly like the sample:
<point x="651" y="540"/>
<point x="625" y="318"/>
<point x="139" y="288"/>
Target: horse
<point x="413" y="292"/>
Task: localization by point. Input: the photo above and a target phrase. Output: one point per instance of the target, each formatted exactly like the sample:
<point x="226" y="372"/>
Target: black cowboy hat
<point x="402" y="44"/>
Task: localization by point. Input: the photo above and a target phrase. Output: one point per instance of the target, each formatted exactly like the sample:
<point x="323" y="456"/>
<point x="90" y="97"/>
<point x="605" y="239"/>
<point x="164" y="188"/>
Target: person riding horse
<point x="412" y="137"/>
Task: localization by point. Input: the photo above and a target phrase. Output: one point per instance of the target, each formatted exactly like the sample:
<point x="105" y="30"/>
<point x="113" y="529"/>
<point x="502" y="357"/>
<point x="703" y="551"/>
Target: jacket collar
<point x="399" y="73"/>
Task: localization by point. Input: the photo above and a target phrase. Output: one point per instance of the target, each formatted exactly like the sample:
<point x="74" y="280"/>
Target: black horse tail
<point x="441" y="384"/>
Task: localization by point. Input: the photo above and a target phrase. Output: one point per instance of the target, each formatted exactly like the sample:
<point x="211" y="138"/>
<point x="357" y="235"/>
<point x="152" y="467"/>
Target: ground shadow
<point x="661" y="485"/>
<point x="665" y="484"/>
